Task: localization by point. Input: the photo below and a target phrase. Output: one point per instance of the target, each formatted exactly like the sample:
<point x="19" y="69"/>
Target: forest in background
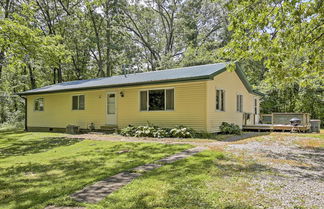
<point x="279" y="43"/>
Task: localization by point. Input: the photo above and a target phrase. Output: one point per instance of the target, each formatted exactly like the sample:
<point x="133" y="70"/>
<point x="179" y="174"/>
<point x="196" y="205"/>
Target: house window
<point x="157" y="99"/>
<point x="256" y="106"/>
<point x="239" y="103"/>
<point x="220" y="100"/>
<point x="78" y="102"/>
<point x="39" y="104"/>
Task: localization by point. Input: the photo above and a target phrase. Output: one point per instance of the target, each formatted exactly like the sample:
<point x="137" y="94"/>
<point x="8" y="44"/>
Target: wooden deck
<point x="275" y="127"/>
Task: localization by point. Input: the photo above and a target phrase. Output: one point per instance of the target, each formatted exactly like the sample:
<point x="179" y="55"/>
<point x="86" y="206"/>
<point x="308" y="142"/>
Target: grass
<point x="37" y="169"/>
<point x="207" y="180"/>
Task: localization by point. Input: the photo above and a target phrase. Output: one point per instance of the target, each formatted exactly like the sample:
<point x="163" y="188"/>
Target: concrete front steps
<point x="109" y="128"/>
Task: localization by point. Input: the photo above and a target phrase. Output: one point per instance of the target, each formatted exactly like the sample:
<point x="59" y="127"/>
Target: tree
<point x="286" y="36"/>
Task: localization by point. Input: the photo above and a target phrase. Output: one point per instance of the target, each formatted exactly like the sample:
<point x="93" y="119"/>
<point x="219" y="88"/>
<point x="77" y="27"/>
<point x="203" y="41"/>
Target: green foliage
<point x="286" y="36"/>
<point x="230" y="128"/>
<point x="278" y="43"/>
<point x="182" y="132"/>
<point x="128" y="131"/>
<point x="154" y="131"/>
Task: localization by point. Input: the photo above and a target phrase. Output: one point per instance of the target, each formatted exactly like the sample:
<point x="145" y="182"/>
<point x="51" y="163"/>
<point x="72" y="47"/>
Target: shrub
<point x="145" y="131"/>
<point x="230" y="128"/>
<point x="157" y="132"/>
<point x="182" y="132"/>
<point x="11" y="126"/>
<point x="128" y="131"/>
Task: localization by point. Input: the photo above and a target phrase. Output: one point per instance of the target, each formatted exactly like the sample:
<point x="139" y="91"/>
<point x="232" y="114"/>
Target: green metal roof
<point x="199" y="72"/>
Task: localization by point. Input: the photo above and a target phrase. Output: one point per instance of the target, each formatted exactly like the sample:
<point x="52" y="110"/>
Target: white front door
<point x="111" y="109"/>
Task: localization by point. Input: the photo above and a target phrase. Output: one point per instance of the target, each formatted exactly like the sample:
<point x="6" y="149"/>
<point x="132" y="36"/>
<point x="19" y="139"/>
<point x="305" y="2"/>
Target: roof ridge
<point x="169" y="75"/>
<point x="121" y="75"/>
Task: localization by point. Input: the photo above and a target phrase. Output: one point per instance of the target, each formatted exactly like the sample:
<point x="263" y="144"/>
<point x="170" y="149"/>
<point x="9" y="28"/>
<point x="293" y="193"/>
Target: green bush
<point x="12" y="126"/>
<point x="230" y="128"/>
<point x="182" y="132"/>
<point x="128" y="131"/>
<point x="157" y="132"/>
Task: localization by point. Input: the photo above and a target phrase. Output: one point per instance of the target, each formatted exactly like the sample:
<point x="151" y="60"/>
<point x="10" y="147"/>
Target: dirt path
<point x="194" y="142"/>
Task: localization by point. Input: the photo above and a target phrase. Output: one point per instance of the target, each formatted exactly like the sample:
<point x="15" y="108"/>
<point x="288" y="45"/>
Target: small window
<point x="256" y="106"/>
<point x="239" y="103"/>
<point x="78" y="102"/>
<point x="157" y="99"/>
<point x="220" y="100"/>
<point x="39" y="104"/>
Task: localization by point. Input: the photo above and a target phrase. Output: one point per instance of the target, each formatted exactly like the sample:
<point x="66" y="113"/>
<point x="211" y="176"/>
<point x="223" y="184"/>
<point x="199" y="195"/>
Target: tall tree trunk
<point x="1" y="62"/>
<point x="31" y="77"/>
<point x="99" y="60"/>
<point x="54" y="75"/>
<point x="108" y="41"/>
<point x="59" y="75"/>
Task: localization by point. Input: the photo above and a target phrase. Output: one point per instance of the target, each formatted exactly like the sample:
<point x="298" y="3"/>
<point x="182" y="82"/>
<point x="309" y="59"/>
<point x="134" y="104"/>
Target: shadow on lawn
<point x="32" y="184"/>
<point x="188" y="185"/>
<point x="12" y="135"/>
<point x="19" y="148"/>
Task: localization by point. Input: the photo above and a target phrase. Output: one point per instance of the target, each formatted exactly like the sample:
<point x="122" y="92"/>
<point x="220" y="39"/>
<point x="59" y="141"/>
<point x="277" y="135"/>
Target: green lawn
<point x="206" y="180"/>
<point x="37" y="169"/>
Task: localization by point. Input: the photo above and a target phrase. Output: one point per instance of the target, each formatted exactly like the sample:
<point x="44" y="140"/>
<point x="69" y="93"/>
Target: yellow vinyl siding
<point x="231" y="83"/>
<point x="58" y="111"/>
<point x="190" y="108"/>
<point x="194" y="106"/>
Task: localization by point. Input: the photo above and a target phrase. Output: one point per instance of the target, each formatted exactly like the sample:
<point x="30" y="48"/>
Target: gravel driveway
<point x="295" y="178"/>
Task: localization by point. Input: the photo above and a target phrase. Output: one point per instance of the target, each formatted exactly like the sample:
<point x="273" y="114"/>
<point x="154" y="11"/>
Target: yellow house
<point x="200" y="97"/>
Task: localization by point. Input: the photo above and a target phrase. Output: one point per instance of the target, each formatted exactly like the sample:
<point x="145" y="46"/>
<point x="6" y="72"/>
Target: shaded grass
<point x="37" y="169"/>
<point x="206" y="180"/>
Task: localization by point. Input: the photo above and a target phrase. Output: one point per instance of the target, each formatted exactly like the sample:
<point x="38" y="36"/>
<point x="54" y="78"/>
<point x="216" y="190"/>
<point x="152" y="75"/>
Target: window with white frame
<point x="157" y="100"/>
<point x="39" y="104"/>
<point x="239" y="103"/>
<point x="78" y="102"/>
<point x="220" y="100"/>
<point x="256" y="106"/>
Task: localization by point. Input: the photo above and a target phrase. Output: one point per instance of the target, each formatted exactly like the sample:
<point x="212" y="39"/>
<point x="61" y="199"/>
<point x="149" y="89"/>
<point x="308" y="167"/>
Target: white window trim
<point x="216" y="100"/>
<point x="43" y="104"/>
<point x="78" y="102"/>
<point x="242" y="110"/>
<point x="147" y="99"/>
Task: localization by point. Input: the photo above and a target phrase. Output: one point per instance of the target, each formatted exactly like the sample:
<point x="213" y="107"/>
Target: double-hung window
<point x="39" y="104"/>
<point x="78" y="102"/>
<point x="220" y="100"/>
<point x="157" y="100"/>
<point x="239" y="103"/>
